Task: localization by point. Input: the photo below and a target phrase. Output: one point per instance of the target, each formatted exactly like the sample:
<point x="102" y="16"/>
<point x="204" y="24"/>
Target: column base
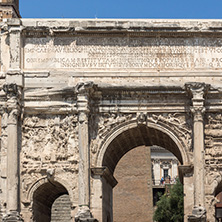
<point x="198" y="215"/>
<point x="84" y="215"/>
<point x="12" y="216"/>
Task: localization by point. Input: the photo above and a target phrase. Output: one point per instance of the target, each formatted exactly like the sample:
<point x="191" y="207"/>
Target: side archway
<point x="43" y="199"/>
<point x="44" y="194"/>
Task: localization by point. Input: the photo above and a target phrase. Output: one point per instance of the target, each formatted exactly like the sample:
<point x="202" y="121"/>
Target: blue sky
<point x="196" y="9"/>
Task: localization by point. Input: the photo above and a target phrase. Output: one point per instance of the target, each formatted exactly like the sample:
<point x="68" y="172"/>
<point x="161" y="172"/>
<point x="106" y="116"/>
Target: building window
<point x="165" y="173"/>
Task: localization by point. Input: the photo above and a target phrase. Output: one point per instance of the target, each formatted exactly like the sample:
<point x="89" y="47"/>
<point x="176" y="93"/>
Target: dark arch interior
<point x="43" y="199"/>
<point x="138" y="136"/>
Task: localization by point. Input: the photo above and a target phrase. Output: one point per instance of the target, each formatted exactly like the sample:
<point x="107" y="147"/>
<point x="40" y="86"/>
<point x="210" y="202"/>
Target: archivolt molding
<point x="43" y="180"/>
<point x="105" y="124"/>
<point x="174" y="125"/>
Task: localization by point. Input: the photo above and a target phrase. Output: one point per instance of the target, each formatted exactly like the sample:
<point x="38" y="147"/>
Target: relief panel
<point x="213" y="139"/>
<point x="49" y="142"/>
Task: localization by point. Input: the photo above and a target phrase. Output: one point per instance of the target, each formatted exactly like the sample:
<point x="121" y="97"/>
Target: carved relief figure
<point x="49" y="142"/>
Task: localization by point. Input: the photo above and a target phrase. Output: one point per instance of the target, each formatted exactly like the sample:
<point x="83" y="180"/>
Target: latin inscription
<point x="122" y="53"/>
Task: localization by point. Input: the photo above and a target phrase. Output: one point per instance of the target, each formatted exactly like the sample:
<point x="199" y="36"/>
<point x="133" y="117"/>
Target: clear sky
<point x="196" y="9"/>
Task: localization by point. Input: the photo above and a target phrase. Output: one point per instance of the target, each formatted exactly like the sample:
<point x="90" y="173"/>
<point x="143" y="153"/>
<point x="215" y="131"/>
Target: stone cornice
<point x="150" y="27"/>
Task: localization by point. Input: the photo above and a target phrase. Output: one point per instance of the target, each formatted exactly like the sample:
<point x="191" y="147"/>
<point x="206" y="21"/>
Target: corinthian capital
<point x="84" y="91"/>
<point x="84" y="88"/>
<point x="13" y="103"/>
<point x="11" y="90"/>
<point x="197" y="90"/>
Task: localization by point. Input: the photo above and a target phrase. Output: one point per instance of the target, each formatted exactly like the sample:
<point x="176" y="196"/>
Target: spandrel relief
<point x="49" y="142"/>
<point x="101" y="125"/>
<point x="107" y="123"/>
<point x="177" y="122"/>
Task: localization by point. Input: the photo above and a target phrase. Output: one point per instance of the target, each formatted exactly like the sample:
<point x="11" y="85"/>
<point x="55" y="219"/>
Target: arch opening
<point x="44" y="198"/>
<point x="141" y="135"/>
<point x="127" y="138"/>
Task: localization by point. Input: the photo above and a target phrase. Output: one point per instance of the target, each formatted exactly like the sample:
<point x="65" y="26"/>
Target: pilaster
<point x="14" y="73"/>
<point x="13" y="106"/>
<point x="197" y="93"/>
<point x="84" y="91"/>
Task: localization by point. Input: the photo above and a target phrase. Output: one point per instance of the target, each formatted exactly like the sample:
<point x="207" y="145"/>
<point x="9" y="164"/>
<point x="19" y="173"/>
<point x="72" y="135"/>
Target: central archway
<point x="128" y="137"/>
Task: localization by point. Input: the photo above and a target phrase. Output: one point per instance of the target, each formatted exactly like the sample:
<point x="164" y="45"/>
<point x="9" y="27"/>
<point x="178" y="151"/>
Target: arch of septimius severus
<point x="76" y="95"/>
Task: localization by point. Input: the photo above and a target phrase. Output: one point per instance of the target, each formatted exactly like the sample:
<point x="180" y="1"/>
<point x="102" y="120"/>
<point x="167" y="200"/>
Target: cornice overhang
<point x="122" y="27"/>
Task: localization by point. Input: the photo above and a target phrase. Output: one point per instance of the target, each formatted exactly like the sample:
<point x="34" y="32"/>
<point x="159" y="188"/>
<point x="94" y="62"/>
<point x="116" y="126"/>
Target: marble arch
<point x="69" y="87"/>
<point x="44" y="180"/>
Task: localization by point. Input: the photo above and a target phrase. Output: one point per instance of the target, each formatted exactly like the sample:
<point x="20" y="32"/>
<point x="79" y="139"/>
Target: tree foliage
<point x="170" y="206"/>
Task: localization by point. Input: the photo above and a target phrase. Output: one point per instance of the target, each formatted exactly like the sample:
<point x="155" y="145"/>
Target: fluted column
<point x="84" y="91"/>
<point x="13" y="105"/>
<point x="197" y="92"/>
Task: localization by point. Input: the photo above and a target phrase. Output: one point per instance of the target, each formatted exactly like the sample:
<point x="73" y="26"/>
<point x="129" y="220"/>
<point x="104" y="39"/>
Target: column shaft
<point x="198" y="143"/>
<point x="83" y="160"/>
<point x="12" y="167"/>
<point x="13" y="93"/>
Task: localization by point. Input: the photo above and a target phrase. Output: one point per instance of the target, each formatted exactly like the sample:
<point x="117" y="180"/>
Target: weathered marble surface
<point x="121" y="53"/>
<point x="91" y="90"/>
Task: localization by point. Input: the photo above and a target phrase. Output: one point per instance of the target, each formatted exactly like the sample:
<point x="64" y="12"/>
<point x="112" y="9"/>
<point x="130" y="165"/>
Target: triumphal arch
<point x="78" y="94"/>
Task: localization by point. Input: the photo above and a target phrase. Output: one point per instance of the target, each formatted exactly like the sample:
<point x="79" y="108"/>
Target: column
<point x="197" y="92"/>
<point x="157" y="172"/>
<point x="13" y="94"/>
<point x="83" y="91"/>
<point x="13" y="90"/>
